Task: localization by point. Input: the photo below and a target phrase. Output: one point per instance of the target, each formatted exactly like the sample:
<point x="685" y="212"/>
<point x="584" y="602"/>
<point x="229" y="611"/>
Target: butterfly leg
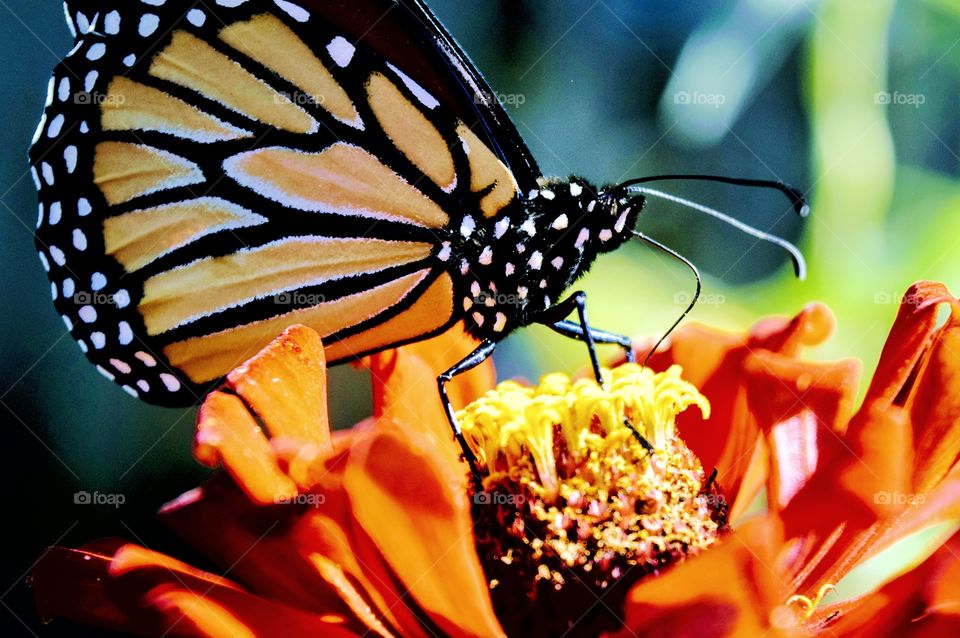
<point x="556" y="314"/>
<point x="575" y="331"/>
<point x="471" y="361"/>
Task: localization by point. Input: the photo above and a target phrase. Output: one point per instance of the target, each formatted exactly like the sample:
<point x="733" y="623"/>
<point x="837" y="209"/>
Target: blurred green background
<point x="853" y="101"/>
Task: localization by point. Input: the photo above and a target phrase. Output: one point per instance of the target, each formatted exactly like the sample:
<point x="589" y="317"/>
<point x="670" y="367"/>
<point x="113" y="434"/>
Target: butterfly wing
<point x="211" y="175"/>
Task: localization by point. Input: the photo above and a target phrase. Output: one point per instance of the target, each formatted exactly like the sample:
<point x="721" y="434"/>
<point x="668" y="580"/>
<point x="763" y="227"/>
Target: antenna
<point x="799" y="264"/>
<point x="696" y="295"/>
<point x="796" y="198"/>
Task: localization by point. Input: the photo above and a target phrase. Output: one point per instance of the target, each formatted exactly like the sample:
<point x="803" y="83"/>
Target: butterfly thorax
<point x="520" y="264"/>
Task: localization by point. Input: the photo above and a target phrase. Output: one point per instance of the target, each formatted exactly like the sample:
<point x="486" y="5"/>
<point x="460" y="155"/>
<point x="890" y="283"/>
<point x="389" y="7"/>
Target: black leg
<point x="471" y="361"/>
<point x="554" y="316"/>
<point x="575" y="331"/>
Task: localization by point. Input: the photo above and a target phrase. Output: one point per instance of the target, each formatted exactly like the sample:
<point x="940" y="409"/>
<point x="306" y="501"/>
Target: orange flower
<point x="371" y="531"/>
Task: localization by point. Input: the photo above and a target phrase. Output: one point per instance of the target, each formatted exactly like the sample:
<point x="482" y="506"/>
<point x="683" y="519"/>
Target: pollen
<point x="587" y="487"/>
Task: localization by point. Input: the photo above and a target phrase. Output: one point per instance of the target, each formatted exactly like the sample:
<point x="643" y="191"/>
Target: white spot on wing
<point x="87" y="314"/>
<point x="341" y="51"/>
<point x="196" y="17"/>
<point x="171" y="382"/>
<point x="70" y="157"/>
<point x="296" y="12"/>
<point x="421" y="93"/>
<point x="56" y="212"/>
<point x="79" y="239"/>
<point x="121" y="298"/>
<point x="146" y="358"/>
<point x="111" y="23"/>
<point x="96" y="51"/>
<point x="126" y="333"/>
<point x="148" y="24"/>
<point x="121" y="366"/>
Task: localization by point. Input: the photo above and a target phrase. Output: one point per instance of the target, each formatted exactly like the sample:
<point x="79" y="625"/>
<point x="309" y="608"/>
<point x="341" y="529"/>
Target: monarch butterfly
<point x="210" y="173"/>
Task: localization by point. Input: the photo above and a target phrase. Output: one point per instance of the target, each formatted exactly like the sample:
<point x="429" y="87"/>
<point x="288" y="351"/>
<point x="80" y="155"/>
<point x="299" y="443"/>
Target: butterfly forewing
<point x="210" y="175"/>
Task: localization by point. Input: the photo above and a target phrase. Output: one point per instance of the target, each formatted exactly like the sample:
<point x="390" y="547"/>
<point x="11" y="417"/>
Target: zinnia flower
<point x="626" y="509"/>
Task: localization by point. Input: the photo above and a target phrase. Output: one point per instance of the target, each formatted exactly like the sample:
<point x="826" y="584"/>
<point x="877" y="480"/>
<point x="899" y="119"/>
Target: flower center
<point x="588" y="489"/>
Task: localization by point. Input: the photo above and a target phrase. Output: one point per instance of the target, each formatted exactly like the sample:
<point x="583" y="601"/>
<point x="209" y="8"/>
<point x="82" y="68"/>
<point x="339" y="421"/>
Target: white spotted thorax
<point x="522" y="264"/>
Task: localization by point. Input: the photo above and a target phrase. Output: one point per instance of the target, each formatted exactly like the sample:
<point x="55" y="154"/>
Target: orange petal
<point x="405" y="392"/>
<point x="714" y="362"/>
<point x="142" y="592"/>
<point x="286" y="385"/>
<point x="405" y="388"/>
<point x="228" y="434"/>
<point x="923" y="602"/>
<point x="311" y="557"/>
<point x="253" y="542"/>
<point x="909" y="337"/>
<point x="796" y="403"/>
<point x="420" y="521"/>
<point x="445" y="350"/>
<point x="344" y="555"/>
<point x="935" y="407"/>
<point x="730" y="591"/>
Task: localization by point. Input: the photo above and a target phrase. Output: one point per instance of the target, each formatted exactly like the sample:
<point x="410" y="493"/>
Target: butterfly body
<point x="516" y="267"/>
<point x="209" y="175"/>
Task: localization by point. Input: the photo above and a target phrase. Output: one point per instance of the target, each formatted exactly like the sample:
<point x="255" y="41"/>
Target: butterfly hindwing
<point x="211" y="175"/>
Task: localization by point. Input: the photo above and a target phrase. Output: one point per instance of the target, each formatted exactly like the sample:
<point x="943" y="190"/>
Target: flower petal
<point x="935" y="407"/>
<point x="228" y="434"/>
<point x="730" y="591"/>
<point x="253" y="542"/>
<point x="910" y="336"/>
<point x="286" y="385"/>
<point x="418" y="517"/>
<point x="404" y="388"/>
<point x="714" y="362"/>
<point x="139" y="591"/>
<point x="797" y="404"/>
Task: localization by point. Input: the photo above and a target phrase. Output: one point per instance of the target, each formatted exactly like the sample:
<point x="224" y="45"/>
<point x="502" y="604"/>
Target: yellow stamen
<point x="809" y="605"/>
<point x="588" y="489"/>
<point x="514" y="422"/>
